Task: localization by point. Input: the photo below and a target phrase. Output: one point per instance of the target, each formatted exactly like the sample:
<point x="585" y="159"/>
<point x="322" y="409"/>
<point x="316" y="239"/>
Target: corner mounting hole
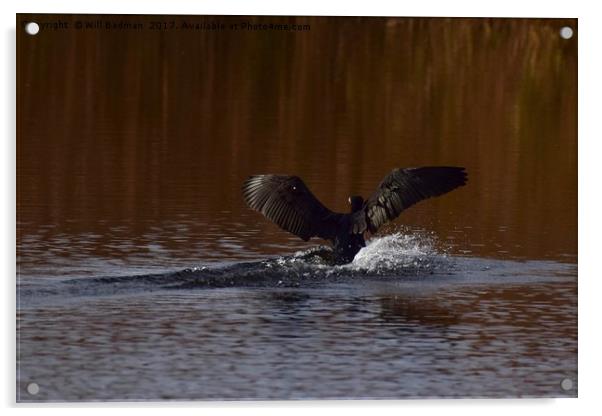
<point x="33" y="389"/>
<point x="566" y="32"/>
<point x="32" y="28"/>
<point x="566" y="384"/>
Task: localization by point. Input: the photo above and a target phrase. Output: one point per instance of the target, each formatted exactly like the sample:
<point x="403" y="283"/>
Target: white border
<point x="508" y="8"/>
<point x="590" y="91"/>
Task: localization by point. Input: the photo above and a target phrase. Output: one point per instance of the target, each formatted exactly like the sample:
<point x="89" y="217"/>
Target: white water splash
<point x="397" y="251"/>
<point x="394" y="254"/>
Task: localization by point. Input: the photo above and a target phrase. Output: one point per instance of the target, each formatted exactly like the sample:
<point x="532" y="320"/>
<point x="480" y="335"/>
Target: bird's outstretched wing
<point x="403" y="188"/>
<point x="288" y="202"/>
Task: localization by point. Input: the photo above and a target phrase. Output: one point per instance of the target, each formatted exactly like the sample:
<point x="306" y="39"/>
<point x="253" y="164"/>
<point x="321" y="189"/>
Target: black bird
<point x="288" y="202"/>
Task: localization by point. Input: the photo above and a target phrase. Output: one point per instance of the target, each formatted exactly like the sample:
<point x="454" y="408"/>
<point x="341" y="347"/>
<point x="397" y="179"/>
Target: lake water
<point x="141" y="275"/>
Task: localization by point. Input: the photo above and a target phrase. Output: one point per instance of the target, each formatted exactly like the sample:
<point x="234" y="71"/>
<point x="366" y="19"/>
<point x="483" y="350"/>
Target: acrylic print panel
<point x="151" y="268"/>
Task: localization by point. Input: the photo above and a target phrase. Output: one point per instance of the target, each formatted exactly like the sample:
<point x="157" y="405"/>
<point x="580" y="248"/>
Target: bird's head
<point x="356" y="203"/>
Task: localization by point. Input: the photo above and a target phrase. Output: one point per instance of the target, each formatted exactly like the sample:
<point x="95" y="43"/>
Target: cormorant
<point x="289" y="203"/>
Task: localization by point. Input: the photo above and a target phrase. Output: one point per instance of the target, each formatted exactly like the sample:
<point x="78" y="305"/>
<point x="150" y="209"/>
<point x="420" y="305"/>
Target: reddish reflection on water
<point x="140" y="139"/>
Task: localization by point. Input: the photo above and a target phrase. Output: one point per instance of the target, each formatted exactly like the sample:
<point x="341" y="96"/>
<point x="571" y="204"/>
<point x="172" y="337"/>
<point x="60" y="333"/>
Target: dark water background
<point x="142" y="275"/>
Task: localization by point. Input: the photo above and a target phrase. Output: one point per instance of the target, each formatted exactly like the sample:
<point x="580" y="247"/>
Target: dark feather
<point x="288" y="202"/>
<point x="403" y="188"/>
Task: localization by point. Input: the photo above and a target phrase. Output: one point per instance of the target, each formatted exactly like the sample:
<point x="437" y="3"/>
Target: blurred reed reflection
<point x="144" y="131"/>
